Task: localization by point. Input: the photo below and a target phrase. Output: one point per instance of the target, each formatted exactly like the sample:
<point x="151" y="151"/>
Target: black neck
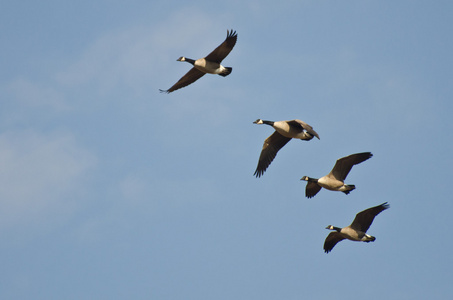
<point x="268" y="123"/>
<point x="337" y="228"/>
<point x="189" y="60"/>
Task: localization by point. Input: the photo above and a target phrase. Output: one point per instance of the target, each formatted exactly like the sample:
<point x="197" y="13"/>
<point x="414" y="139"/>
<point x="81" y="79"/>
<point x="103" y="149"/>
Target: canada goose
<point x="357" y="230"/>
<point x="209" y="64"/>
<point x="334" y="181"/>
<point x="284" y="132"/>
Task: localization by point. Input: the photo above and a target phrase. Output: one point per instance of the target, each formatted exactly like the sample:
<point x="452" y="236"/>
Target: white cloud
<point x="39" y="176"/>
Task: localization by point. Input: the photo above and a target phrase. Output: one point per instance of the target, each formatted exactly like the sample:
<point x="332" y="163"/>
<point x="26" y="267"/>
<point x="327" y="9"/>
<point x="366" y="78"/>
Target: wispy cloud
<point x="33" y="94"/>
<point x="39" y="176"/>
<point x="26" y="101"/>
<point x="136" y="56"/>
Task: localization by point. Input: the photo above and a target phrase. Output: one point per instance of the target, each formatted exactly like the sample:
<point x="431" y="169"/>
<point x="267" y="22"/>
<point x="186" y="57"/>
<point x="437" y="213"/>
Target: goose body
<point x="294" y="129"/>
<point x="209" y="64"/>
<point x="284" y="132"/>
<point x="334" y="181"/>
<point x="357" y="230"/>
<point x="210" y="67"/>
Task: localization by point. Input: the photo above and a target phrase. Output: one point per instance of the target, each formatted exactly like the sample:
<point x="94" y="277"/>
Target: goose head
<point x="330" y="227"/>
<point x="306" y="178"/>
<point x="258" y="121"/>
<point x="182" y="58"/>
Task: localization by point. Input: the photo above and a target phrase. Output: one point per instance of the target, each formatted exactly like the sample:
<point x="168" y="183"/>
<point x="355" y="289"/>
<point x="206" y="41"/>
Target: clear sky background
<point x="112" y="190"/>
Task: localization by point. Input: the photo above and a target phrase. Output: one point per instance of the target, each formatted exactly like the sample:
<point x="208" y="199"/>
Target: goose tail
<point x="226" y="72"/>
<point x="350" y="187"/>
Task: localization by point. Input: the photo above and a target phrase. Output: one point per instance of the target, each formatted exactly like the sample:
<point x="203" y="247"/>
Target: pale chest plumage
<point x="208" y="66"/>
<point x="352" y="234"/>
<point x="330" y="183"/>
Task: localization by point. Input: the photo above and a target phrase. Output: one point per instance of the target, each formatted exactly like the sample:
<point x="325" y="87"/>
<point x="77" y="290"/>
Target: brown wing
<point x="305" y="126"/>
<point x="312" y="189"/>
<point x="344" y="164"/>
<point x="331" y="240"/>
<point x="270" y="148"/>
<point x="190" y="77"/>
<point x="363" y="219"/>
<point x="224" y="49"/>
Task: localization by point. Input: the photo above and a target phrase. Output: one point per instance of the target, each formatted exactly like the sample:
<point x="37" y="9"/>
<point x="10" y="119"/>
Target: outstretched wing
<point x="363" y="219"/>
<point x="312" y="189"/>
<point x="270" y="148"/>
<point x="224" y="49"/>
<point x="305" y="126"/>
<point x="331" y="240"/>
<point x="344" y="165"/>
<point x="190" y="77"/>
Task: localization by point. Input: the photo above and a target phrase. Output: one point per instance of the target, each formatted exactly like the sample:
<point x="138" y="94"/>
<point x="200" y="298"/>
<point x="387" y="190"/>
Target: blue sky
<point x="112" y="190"/>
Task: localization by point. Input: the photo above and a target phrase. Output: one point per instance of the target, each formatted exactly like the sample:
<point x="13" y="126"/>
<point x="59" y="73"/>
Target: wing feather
<point x="305" y="126"/>
<point x="344" y="165"/>
<point x="364" y="219"/>
<point x="312" y="189"/>
<point x="190" y="77"/>
<point x="308" y="128"/>
<point x="271" y="146"/>
<point x="331" y="240"/>
<point x="223" y="49"/>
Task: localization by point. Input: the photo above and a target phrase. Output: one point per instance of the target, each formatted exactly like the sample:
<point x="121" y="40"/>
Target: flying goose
<point x="284" y="132"/>
<point x="209" y="64"/>
<point x="357" y="230"/>
<point x="334" y="181"/>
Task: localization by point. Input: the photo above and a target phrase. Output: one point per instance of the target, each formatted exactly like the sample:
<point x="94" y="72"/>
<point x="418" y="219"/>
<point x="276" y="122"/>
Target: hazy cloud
<point x="133" y="58"/>
<point x="39" y="176"/>
<point x="33" y="94"/>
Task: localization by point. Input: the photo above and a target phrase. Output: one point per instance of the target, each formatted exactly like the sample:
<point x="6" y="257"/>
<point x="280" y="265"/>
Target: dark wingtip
<point x="309" y="196"/>
<point x="258" y="173"/>
<point x="369" y="154"/>
<point x="231" y="33"/>
<point x="164" y="91"/>
<point x="385" y="205"/>
<point x="327" y="250"/>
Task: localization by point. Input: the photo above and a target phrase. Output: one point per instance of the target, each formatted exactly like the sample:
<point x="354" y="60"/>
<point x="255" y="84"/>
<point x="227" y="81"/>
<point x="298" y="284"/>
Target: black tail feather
<point x="226" y="72"/>
<point x="352" y="187"/>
